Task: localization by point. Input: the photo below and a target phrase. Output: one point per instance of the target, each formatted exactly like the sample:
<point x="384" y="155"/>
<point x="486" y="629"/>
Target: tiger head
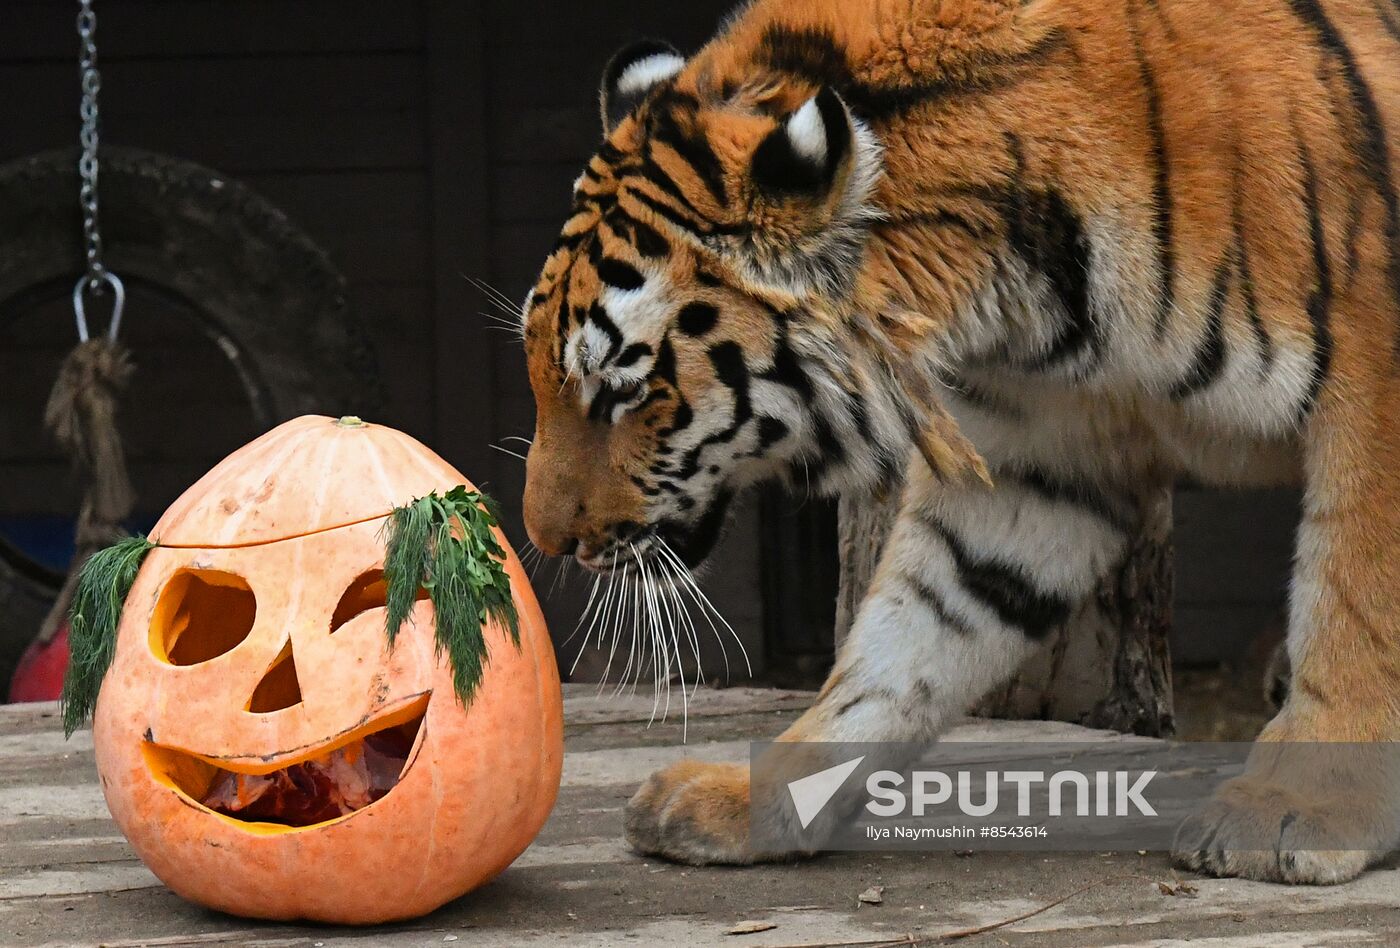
<point x="690" y="333"/>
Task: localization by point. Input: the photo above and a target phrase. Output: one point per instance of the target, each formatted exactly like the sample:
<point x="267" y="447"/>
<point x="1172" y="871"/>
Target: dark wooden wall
<point x="423" y="144"/>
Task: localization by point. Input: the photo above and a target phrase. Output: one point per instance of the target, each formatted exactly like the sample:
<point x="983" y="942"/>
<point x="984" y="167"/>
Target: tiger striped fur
<point x="1028" y="258"/>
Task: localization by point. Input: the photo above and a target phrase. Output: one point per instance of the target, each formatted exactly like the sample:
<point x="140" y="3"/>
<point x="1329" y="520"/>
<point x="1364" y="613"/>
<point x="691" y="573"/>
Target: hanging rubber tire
<point x="257" y="285"/>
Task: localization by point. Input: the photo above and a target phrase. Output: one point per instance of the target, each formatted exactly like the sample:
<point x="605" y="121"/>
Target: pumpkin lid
<point x="309" y="474"/>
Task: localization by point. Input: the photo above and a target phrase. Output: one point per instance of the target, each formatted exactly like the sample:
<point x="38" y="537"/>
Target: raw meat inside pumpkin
<point x="312" y="790"/>
<point x="317" y="790"/>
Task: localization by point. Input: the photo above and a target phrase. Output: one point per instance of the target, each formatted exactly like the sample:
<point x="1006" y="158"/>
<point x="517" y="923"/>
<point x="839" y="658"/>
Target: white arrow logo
<point x="810" y="794"/>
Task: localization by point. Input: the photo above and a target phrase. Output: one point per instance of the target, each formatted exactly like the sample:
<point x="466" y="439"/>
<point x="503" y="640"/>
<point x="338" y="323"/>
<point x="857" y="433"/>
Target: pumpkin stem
<point x="350" y="421"/>
<point x="103" y="585"/>
<point x="444" y="544"/>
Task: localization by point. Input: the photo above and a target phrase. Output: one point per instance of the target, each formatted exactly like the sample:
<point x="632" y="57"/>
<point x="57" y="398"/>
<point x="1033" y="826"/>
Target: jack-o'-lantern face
<point x="315" y="717"/>
<point x="260" y="743"/>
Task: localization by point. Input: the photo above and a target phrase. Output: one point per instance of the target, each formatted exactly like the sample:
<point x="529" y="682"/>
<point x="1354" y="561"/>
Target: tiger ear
<point x="631" y="74"/>
<point x="804" y="153"/>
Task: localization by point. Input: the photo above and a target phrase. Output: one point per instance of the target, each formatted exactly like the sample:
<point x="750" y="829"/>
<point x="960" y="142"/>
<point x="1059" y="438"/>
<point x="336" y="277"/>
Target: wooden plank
<point x="518" y="252"/>
<point x="561" y="61"/>
<point x="586" y="707"/>
<point x="155" y="28"/>
<point x="396" y="313"/>
<point x="533" y="192"/>
<point x="268" y="142"/>
<point x="513" y="382"/>
<point x="48" y="487"/>
<point x="86" y="880"/>
<point x="386" y="140"/>
<point x="404" y="370"/>
<point x="379" y="253"/>
<point x="1234" y="546"/>
<point x="526" y="73"/>
<point x="151" y="321"/>
<point x="608" y="26"/>
<point x="321" y="200"/>
<point x="458" y="157"/>
<point x="177" y="430"/>
<point x="557" y="134"/>
<point x="174" y="89"/>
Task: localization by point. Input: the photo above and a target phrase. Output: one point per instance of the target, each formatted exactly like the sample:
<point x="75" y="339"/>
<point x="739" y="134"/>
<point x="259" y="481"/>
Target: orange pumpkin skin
<point x="479" y="782"/>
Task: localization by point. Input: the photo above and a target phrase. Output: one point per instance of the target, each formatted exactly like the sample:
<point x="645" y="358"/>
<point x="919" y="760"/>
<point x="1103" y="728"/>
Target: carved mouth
<point x="305" y="787"/>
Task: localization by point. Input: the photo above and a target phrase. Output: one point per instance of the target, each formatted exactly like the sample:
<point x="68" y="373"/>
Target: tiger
<point x="1019" y="260"/>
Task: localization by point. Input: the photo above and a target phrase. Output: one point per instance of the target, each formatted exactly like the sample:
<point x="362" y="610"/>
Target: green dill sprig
<point x="101" y="591"/>
<point x="444" y="544"/>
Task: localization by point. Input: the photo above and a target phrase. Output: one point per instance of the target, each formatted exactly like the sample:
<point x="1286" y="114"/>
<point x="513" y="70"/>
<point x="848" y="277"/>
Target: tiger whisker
<point x="644" y="613"/>
<point x="669" y="644"/>
<point x="500" y="320"/>
<point x="680" y="581"/>
<point x="561" y="564"/>
<point x="513" y="327"/>
<point x="612" y="647"/>
<point x="495" y="296"/>
<point x="532" y="559"/>
<point x="587" y="610"/>
<point x="684" y="616"/>
<point x="635" y="655"/>
<point x="613" y="580"/>
<point x="648" y="598"/>
<point x="665" y="595"/>
<point x="703" y="601"/>
<point x="673" y="644"/>
<point x="652" y="653"/>
<point x="583" y="645"/>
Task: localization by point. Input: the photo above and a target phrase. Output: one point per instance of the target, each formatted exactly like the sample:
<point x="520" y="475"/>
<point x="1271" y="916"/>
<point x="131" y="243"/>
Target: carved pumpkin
<point x="259" y="742"/>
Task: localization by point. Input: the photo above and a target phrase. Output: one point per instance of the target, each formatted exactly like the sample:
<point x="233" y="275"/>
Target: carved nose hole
<point x="367" y="592"/>
<point x="280" y="688"/>
<point x="202" y="613"/>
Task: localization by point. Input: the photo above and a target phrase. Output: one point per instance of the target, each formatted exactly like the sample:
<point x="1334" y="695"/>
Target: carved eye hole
<point x="367" y="592"/>
<point x="202" y="614"/>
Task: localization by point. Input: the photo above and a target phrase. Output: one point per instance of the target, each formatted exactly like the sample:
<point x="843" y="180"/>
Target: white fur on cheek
<point x="648" y="71"/>
<point x="642" y="313"/>
<point x="594" y="348"/>
<point x="807" y="132"/>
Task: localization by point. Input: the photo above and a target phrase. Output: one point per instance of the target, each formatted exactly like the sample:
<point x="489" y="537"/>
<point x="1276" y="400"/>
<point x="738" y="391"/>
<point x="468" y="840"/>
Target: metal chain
<point x="98" y="278"/>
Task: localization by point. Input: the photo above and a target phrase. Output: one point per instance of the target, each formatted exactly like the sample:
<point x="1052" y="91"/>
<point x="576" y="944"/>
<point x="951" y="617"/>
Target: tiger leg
<point x="969" y="582"/>
<point x="1326" y="812"/>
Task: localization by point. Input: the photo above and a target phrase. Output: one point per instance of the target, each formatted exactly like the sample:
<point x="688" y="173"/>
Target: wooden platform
<point x="68" y="878"/>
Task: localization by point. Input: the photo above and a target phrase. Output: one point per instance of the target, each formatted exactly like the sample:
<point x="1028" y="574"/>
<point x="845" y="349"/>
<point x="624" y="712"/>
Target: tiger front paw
<point x="694" y="813"/>
<point x="1258" y="830"/>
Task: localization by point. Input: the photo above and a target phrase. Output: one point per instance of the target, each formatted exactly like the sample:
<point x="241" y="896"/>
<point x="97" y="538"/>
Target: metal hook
<point x="80" y="306"/>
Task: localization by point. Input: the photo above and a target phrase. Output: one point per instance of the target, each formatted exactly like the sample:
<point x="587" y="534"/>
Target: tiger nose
<point x="550" y="520"/>
<point x="549" y="534"/>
